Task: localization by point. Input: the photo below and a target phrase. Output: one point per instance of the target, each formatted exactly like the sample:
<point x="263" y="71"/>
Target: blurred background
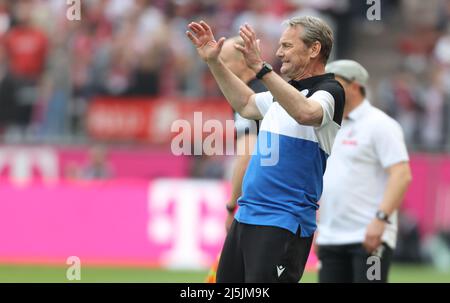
<point x="86" y="113"/>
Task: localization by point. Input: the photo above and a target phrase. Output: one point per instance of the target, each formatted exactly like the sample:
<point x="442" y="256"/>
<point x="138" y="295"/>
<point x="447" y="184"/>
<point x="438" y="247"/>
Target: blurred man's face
<point x="293" y="53"/>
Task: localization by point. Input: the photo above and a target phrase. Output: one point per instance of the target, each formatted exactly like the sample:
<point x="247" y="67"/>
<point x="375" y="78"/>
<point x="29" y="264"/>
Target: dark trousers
<point x="352" y="264"/>
<point x="262" y="254"/>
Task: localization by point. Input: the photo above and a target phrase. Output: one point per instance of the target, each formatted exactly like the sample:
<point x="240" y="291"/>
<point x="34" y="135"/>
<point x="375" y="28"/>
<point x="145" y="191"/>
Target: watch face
<point x="268" y="66"/>
<point x="381" y="215"/>
<point x="264" y="70"/>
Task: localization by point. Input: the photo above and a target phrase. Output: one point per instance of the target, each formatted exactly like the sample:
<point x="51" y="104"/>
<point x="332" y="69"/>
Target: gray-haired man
<point x="271" y="236"/>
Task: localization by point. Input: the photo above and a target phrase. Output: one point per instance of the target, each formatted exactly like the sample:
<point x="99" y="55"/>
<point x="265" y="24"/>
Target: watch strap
<point x="266" y="68"/>
<point x="381" y="215"/>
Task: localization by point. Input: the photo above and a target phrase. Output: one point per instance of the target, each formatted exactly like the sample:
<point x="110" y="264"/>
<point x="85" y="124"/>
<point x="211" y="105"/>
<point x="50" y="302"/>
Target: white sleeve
<point x="326" y="100"/>
<point x="389" y="143"/>
<point x="263" y="102"/>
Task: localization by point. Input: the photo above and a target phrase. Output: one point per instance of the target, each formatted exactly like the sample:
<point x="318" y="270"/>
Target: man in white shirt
<point x="366" y="177"/>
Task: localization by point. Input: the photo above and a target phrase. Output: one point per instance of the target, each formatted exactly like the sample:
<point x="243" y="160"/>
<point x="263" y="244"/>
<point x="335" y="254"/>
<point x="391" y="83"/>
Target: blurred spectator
<point x="5" y="18"/>
<point x="268" y="26"/>
<point x="148" y="47"/>
<point x="432" y="129"/>
<point x="98" y="166"/>
<point x="7" y="92"/>
<point x="183" y="71"/>
<point x="442" y="56"/>
<point x="399" y="98"/>
<point x="57" y="90"/>
<point x="443" y="15"/>
<point x="427" y="10"/>
<point x="260" y="16"/>
<point x="442" y="49"/>
<point x="26" y="47"/>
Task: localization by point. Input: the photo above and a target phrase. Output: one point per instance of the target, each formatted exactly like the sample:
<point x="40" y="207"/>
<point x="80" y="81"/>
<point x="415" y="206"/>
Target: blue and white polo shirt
<point x="284" y="179"/>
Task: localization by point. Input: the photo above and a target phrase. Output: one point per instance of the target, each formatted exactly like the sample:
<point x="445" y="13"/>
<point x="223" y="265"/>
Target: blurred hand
<point x="315" y="247"/>
<point x="203" y="39"/>
<point x="228" y="221"/>
<point x="374" y="233"/>
<point x="251" y="49"/>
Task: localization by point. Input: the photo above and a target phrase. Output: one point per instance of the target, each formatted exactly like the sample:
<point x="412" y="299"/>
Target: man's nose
<point x="279" y="54"/>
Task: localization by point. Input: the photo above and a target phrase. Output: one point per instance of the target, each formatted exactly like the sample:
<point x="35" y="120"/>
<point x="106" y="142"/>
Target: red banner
<point x="151" y="120"/>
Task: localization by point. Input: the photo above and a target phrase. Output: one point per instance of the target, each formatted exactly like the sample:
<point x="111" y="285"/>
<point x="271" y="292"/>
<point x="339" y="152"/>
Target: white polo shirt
<point x="368" y="142"/>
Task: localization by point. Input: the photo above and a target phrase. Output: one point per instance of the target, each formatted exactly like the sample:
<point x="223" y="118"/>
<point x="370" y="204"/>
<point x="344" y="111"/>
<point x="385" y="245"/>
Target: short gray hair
<point x="315" y="29"/>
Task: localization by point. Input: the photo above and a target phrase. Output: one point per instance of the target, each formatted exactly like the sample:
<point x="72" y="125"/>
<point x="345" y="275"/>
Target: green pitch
<point x="20" y="274"/>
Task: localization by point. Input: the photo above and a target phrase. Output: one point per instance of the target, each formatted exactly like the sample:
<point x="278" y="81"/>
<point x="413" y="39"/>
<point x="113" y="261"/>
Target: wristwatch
<point x="381" y="215"/>
<point x="266" y="68"/>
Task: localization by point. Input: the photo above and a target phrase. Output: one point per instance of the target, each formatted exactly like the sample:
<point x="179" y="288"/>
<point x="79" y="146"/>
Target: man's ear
<point x="315" y="49"/>
<point x="355" y="86"/>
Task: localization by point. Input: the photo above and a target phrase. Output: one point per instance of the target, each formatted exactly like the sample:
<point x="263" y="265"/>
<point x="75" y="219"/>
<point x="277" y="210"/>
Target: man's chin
<point x="285" y="73"/>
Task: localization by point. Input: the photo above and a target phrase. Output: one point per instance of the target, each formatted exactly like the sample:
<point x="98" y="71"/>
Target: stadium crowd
<point x="51" y="67"/>
<point x="417" y="93"/>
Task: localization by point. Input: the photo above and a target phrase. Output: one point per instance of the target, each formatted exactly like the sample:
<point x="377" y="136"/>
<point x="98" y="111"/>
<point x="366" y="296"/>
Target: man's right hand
<point x="203" y="39"/>
<point x="229" y="221"/>
<point x="315" y="247"/>
<point x="231" y="209"/>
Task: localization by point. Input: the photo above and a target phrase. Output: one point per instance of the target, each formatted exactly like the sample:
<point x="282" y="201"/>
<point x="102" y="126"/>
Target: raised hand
<point x="203" y="39"/>
<point x="251" y="49"/>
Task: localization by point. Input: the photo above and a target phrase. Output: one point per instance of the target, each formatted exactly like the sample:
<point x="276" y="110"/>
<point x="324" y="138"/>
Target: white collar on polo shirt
<point x="359" y="111"/>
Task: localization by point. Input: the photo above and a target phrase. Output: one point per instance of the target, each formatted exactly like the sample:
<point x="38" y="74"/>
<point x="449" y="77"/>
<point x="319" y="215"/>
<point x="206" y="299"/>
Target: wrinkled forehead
<point x="291" y="34"/>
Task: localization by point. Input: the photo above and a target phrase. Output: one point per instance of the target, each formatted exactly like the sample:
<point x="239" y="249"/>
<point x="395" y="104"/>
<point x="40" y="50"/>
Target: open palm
<point x="203" y="39"/>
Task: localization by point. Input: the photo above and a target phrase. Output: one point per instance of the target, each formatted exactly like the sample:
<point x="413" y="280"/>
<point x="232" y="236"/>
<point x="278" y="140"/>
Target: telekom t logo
<point x="20" y="164"/>
<point x="188" y="217"/>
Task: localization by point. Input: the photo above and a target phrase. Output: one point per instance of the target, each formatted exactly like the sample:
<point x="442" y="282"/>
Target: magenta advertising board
<point x="169" y="223"/>
<point x="427" y="200"/>
<point x="166" y="223"/>
<point x="45" y="163"/>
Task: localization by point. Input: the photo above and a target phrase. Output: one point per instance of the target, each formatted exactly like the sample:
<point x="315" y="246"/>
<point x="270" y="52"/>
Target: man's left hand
<point x="251" y="49"/>
<point x="374" y="233"/>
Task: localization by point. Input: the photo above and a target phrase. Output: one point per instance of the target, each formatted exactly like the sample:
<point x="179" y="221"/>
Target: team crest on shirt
<point x="350" y="140"/>
<point x="351" y="133"/>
